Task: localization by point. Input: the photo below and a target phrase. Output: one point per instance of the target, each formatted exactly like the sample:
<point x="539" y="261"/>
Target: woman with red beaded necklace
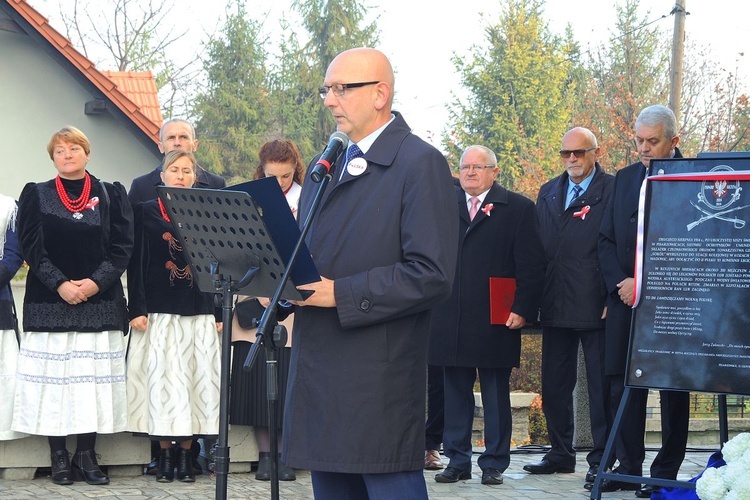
<point x="76" y="234"/>
<point x="175" y="350"/>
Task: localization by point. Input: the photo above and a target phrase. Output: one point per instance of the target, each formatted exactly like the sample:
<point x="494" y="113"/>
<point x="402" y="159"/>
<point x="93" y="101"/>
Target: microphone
<point x="338" y="142"/>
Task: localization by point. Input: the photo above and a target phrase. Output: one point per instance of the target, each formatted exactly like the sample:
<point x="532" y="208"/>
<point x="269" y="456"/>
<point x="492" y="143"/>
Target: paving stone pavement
<point x="517" y="485"/>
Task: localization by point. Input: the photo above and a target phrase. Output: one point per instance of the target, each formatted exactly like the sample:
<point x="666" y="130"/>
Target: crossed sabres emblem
<point x="718" y="196"/>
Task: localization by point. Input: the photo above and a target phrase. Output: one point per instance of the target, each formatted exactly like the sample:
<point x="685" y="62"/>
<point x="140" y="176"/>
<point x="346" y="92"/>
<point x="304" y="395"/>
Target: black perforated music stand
<point x="226" y="228"/>
<point x="229" y="249"/>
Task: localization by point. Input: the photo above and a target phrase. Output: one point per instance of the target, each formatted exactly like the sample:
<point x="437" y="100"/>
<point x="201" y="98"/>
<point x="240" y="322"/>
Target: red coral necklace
<point x="75" y="206"/>
<point x="163" y="210"/>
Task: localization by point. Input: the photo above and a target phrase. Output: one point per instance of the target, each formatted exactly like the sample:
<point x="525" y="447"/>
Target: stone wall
<point x="519" y="406"/>
<point x="123" y="453"/>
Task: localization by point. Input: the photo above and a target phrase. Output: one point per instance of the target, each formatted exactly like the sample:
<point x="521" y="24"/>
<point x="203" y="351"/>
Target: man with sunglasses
<point x="384" y="242"/>
<point x="570" y="209"/>
<point x="655" y="137"/>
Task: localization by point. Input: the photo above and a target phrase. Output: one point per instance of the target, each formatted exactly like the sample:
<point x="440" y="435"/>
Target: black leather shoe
<point x="547" y="467"/>
<point x="264" y="466"/>
<point x="452" y="475"/>
<point x="61" y="472"/>
<point x="492" y="476"/>
<point x="86" y="468"/>
<point x="591" y="473"/>
<point x="165" y="470"/>
<point x="645" y="491"/>
<point x="185" y="466"/>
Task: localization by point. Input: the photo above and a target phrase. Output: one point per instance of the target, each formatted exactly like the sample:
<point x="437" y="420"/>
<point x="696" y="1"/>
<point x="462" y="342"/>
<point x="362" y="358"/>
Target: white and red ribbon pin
<point x="582" y="213"/>
<point x="92" y="203"/>
<point x="487" y="209"/>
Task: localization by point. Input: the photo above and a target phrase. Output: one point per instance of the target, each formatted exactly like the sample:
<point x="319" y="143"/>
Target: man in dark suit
<point x="498" y="238"/>
<point x="571" y="208"/>
<point x="384" y="244"/>
<point x="655" y="137"/>
<point x="433" y="427"/>
<point x="174" y="134"/>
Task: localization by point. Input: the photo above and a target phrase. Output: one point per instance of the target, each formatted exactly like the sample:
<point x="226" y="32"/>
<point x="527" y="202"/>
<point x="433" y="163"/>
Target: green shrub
<point x="537" y="422"/>
<point x="528" y="377"/>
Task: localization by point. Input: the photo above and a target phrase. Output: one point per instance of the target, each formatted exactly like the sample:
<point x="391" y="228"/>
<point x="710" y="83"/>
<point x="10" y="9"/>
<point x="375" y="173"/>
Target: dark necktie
<point x="351" y="153"/>
<point x="577" y="190"/>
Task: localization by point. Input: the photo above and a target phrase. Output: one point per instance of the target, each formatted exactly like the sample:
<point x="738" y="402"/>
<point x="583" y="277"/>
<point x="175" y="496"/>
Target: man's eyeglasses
<point x="477" y="168"/>
<point x="580" y="153"/>
<point x="340" y="88"/>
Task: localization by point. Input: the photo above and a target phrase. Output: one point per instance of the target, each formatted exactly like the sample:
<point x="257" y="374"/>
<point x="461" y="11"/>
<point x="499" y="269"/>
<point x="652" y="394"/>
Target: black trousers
<point x="559" y="377"/>
<point x="629" y="447"/>
<point x="459" y="416"/>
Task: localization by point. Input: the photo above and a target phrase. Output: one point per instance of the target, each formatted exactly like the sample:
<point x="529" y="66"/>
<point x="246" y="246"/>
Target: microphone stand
<point x="268" y="322"/>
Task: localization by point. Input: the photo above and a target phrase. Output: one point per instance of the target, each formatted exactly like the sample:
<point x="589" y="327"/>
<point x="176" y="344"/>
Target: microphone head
<point x="341" y="137"/>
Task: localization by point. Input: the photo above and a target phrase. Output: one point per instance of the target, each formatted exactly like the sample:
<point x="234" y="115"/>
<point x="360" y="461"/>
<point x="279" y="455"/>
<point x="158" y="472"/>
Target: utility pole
<point x="678" y="46"/>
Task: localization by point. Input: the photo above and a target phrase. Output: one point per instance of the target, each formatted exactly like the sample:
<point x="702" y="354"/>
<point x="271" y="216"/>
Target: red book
<point x="502" y="293"/>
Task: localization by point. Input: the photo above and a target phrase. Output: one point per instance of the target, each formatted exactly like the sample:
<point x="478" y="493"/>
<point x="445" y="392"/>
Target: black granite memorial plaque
<point x="691" y="324"/>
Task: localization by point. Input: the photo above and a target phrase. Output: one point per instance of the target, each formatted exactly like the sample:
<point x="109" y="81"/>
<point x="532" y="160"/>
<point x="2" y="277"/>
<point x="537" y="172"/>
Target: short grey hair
<point x="656" y="115"/>
<point x="490" y="154"/>
<point x="176" y="120"/>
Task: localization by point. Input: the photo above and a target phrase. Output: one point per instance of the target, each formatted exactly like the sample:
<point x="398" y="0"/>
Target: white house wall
<point x="37" y="98"/>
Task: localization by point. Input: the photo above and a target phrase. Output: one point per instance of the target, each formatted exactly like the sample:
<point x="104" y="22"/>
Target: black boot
<point x="185" y="465"/>
<point x="165" y="470"/>
<point x="286" y="473"/>
<point x="85" y="467"/>
<point x="264" y="466"/>
<point x="61" y="473"/>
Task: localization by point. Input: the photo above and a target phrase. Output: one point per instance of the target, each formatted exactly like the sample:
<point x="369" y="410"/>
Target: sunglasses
<point x="579" y="153"/>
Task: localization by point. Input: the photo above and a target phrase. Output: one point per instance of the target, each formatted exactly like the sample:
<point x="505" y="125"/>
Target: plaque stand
<point x="229" y="249"/>
<point x="602" y="474"/>
<point x="712" y="173"/>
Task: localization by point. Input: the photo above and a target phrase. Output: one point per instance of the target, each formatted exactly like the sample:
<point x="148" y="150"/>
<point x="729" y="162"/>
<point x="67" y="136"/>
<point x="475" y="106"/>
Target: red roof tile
<point x="140" y="87"/>
<point x="140" y="115"/>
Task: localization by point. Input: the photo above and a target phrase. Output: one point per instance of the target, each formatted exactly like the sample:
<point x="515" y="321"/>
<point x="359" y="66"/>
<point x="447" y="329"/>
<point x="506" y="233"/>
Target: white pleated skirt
<point x="174" y="377"/>
<point x="70" y="383"/>
<point x="8" y="362"/>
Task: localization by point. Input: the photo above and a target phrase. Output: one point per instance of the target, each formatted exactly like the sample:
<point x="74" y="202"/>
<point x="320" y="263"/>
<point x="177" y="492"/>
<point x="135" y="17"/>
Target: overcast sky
<point x="421" y="36"/>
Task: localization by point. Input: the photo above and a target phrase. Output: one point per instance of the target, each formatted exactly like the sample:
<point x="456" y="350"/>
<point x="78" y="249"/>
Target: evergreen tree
<point x="296" y="104"/>
<point x="517" y="103"/>
<point x="234" y="111"/>
<point x="333" y="26"/>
